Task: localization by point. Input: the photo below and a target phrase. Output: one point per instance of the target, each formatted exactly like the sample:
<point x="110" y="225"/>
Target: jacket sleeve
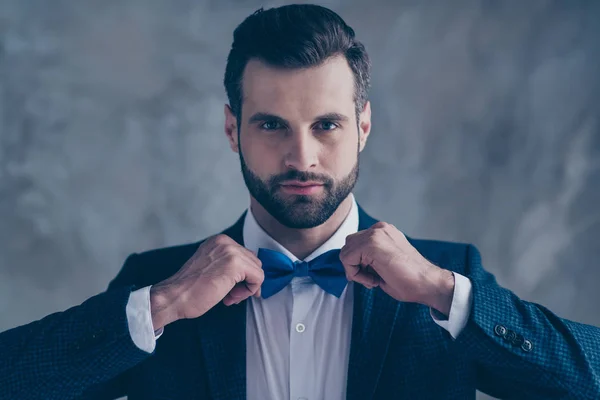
<point x="64" y="354"/>
<point x="523" y="350"/>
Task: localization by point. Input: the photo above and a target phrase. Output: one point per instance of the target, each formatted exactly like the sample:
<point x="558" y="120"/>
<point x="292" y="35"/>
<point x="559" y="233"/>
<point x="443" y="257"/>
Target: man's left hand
<point x="382" y="256"/>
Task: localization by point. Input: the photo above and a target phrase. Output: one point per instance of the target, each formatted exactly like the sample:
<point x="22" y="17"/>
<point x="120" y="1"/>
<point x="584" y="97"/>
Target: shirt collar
<point x="255" y="237"/>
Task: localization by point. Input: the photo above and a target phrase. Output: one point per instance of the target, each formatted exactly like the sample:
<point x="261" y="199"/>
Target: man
<point x="367" y="314"/>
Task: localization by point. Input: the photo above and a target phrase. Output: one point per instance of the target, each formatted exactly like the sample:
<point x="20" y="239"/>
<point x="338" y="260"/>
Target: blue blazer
<point x="509" y="349"/>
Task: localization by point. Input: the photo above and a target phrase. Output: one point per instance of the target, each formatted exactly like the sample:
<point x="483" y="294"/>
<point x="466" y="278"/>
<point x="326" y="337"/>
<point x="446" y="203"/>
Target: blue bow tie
<point x="326" y="270"/>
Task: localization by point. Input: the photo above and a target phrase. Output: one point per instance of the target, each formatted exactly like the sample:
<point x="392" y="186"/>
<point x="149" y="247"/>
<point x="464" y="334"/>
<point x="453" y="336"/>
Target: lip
<point x="301" y="183"/>
<point x="303" y="188"/>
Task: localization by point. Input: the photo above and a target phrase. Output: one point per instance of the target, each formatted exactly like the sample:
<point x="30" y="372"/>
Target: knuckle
<point x="373" y="238"/>
<point x="221" y="239"/>
<point x="234" y="273"/>
<point x="230" y="250"/>
<point x="230" y="259"/>
<point x="233" y="248"/>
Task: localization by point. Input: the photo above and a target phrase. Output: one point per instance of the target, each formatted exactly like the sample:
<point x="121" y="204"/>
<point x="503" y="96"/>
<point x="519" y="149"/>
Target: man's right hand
<point x="220" y="269"/>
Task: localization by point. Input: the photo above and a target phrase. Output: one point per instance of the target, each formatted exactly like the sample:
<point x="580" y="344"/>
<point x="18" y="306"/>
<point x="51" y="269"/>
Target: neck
<point x="300" y="242"/>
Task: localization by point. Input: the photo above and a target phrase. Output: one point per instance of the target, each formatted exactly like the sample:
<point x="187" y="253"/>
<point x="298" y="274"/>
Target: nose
<point x="302" y="153"/>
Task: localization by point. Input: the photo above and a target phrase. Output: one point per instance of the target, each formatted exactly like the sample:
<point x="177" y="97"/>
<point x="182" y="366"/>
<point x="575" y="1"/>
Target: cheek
<point x="259" y="158"/>
<point x="339" y="160"/>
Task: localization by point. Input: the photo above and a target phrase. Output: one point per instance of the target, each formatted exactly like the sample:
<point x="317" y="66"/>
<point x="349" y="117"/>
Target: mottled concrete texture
<point x="486" y="130"/>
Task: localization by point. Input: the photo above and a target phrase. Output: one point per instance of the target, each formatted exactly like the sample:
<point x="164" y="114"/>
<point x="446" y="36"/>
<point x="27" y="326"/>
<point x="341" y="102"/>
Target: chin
<point x="305" y="215"/>
<point x="302" y="223"/>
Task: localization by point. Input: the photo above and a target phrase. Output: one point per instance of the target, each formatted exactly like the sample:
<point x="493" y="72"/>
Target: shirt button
<point x="300" y="328"/>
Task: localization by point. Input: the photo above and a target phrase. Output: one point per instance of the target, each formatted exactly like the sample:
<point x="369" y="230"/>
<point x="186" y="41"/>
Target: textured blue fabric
<point x="397" y="351"/>
<point x="326" y="270"/>
<point x="64" y="354"/>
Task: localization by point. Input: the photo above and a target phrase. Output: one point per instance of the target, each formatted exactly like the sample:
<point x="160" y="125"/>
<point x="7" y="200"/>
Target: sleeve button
<point x="527" y="346"/>
<point x="500" y="330"/>
<point x="518" y="340"/>
<point x="510" y="336"/>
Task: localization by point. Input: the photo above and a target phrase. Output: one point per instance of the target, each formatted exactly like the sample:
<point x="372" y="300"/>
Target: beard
<point x="299" y="211"/>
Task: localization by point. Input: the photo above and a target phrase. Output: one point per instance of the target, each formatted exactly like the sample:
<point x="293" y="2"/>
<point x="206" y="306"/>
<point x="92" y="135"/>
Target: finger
<point x="224" y="240"/>
<point x="251" y="256"/>
<point x="352" y="252"/>
<point x="239" y="293"/>
<point x="243" y="257"/>
<point x="351" y="258"/>
<point x="367" y="278"/>
<point x="253" y="279"/>
<point x="357" y="237"/>
<point x="250" y="286"/>
<point x="253" y="276"/>
<point x="250" y="260"/>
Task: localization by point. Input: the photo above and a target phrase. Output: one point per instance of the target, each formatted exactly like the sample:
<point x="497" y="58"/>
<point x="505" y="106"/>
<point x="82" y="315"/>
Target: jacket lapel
<point x="222" y="334"/>
<point x="374" y="316"/>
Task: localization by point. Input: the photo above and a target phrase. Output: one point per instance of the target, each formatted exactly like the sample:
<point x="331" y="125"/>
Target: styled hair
<point x="295" y="36"/>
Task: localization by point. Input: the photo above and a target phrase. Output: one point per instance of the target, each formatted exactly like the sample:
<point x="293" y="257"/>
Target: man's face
<point x="299" y="139"/>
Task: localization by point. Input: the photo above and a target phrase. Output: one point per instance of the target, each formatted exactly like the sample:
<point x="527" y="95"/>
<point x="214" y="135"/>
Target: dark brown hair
<point x="294" y="36"/>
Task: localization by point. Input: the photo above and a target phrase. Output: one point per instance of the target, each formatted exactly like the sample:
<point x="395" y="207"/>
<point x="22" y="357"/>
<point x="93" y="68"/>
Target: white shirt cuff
<point x="460" y="309"/>
<point x="139" y="318"/>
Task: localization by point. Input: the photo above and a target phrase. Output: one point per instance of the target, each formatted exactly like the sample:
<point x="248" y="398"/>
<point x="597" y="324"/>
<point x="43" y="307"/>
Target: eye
<point x="271" y="125"/>
<point x="327" y="126"/>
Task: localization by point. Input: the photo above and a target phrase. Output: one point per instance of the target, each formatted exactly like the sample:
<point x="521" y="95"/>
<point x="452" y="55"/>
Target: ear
<point x="364" y="125"/>
<point x="231" y="129"/>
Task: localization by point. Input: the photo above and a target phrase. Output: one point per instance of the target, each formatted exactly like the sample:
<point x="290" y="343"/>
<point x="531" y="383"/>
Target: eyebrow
<point x="262" y="117"/>
<point x="333" y="116"/>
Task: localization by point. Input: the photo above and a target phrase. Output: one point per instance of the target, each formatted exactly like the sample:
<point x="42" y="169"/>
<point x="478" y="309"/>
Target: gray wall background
<point x="486" y="130"/>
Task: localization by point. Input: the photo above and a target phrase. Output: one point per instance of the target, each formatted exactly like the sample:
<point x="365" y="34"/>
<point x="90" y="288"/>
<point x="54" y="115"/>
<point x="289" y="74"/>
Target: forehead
<point x="301" y="92"/>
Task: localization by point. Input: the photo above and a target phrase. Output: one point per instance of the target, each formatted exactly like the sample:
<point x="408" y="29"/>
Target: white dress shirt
<point x="298" y="340"/>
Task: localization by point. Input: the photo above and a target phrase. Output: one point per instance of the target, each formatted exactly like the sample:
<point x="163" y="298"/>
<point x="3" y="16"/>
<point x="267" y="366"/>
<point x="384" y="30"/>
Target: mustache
<point x="301" y="176"/>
